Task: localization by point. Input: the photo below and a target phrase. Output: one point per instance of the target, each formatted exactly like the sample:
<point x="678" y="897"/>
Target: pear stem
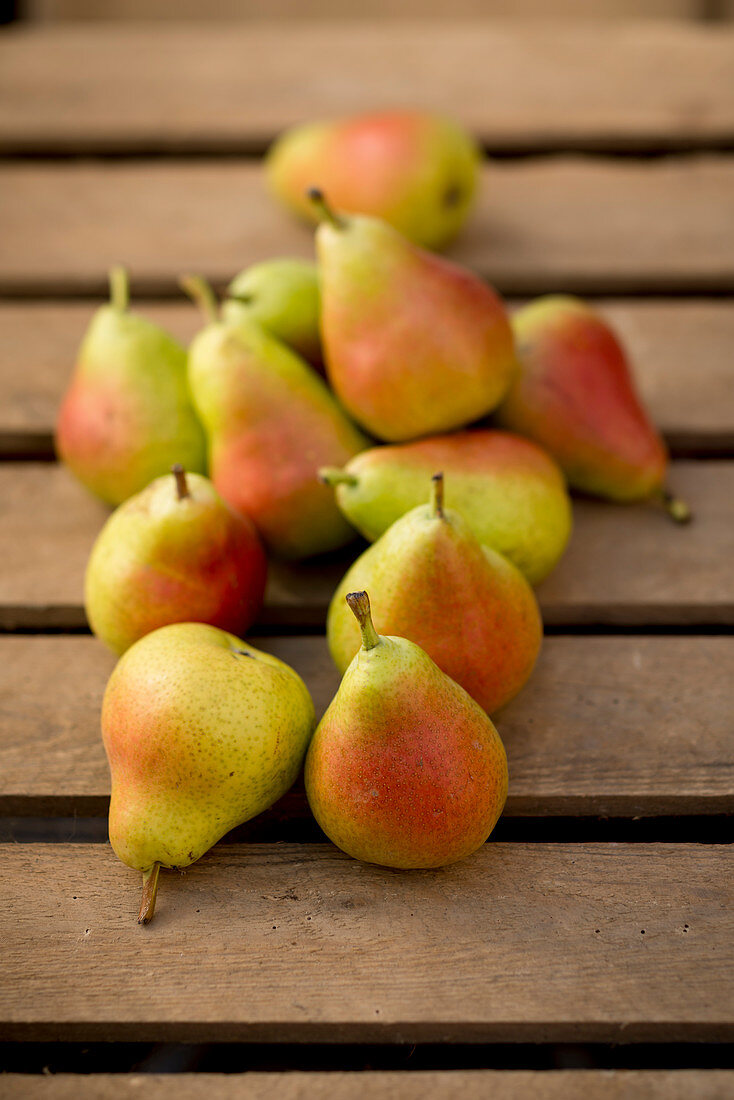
<point x="317" y="197"/>
<point x="182" y="487"/>
<point x="119" y="288"/>
<point x="332" y="475"/>
<point x="359" y="602"/>
<point x="676" y="508"/>
<point x="437" y="496"/>
<point x="150" y="892"/>
<point x="199" y="290"/>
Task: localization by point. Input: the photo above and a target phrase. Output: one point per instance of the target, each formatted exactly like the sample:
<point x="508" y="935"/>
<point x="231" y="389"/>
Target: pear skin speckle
<point x="405" y="769"/>
<point x="127" y="414"/>
<point x="202" y="732"/>
<point x="510" y="492"/>
<point x="467" y="606"/>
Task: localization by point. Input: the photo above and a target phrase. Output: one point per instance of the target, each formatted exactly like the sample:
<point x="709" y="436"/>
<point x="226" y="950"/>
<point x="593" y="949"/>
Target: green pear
<point x="127" y="414"/>
<point x="283" y="296"/>
<point x="271" y="423"/>
<point x="404" y="769"/>
<point x="417" y="171"/>
<point x="510" y="492"/>
<point x="174" y="553"/>
<point x="202" y="732"/>
<point x="469" y="608"/>
<point x="413" y="344"/>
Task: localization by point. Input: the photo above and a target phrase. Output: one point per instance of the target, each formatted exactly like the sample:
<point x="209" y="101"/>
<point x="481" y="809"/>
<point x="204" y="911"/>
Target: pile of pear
<point x="385" y="392"/>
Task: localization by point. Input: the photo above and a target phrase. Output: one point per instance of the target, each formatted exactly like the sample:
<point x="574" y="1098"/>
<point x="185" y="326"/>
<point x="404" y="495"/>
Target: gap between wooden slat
<point x="615" y="1060"/>
<point x="299" y="827"/>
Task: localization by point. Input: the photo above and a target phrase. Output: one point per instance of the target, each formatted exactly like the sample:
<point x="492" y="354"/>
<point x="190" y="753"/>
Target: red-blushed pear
<point x="413" y="344"/>
<point x="127" y="414"/>
<point x="510" y="492"/>
<point x="271" y="423"/>
<point x="283" y="296"/>
<point x="575" y="395"/>
<point x="404" y="769"/>
<point x="174" y="553"/>
<point x="202" y="732"/>
<point x="415" y="170"/>
<point x="469" y="608"/>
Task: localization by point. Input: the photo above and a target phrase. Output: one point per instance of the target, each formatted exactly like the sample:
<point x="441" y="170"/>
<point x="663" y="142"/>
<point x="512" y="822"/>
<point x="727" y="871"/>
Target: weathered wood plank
<point x="429" y="1085"/>
<point x="633" y="85"/>
<point x="155" y="10"/>
<point x="681" y="353"/>
<point x="556" y="224"/>
<point x="625" y="565"/>
<point x="38" y="346"/>
<point x="666" y="341"/>
<point x="533" y="942"/>
<point x="606" y="726"/>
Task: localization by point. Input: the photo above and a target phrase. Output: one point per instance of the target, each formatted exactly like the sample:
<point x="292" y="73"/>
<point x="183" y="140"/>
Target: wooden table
<point x="588" y="949"/>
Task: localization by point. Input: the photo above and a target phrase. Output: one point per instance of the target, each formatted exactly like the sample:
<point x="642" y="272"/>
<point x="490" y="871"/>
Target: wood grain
<point x="636" y="84"/>
<point x="625" y="565"/>
<point x="693" y="407"/>
<point x="428" y="1085"/>
<point x="522" y="942"/>
<point x="606" y="726"/>
<point x="566" y="223"/>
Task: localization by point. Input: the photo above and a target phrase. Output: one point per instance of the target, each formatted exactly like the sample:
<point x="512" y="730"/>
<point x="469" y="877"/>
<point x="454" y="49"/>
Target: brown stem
<point x="332" y="475"/>
<point x="182" y="487"/>
<point x="317" y="197"/>
<point x="359" y="603"/>
<point x="150" y="892"/>
<point x="676" y="508"/>
<point x="437" y="496"/>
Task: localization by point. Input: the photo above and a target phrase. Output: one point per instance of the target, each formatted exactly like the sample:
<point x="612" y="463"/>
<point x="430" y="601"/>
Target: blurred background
<point x="61" y="10"/>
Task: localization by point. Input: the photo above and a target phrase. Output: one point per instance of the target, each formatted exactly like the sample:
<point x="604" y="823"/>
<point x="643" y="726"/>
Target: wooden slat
<point x="429" y="1085"/>
<point x="625" y="565"/>
<point x="533" y="942"/>
<point x="606" y="726"/>
<point x="38" y="346"/>
<point x="103" y="10"/>
<point x="681" y="352"/>
<point x="557" y="224"/>
<point x="633" y="85"/>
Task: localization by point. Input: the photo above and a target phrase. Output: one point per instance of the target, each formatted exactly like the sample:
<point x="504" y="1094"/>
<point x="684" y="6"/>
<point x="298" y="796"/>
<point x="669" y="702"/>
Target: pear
<point x="283" y="296"/>
<point x="413" y="344"/>
<point x="127" y="414"/>
<point x="509" y="491"/>
<point x="404" y="769"/>
<point x="469" y="608"/>
<point x="174" y="553"/>
<point x="202" y="732"/>
<point x="576" y="396"/>
<point x="417" y="171"/>
<point x="271" y="423"/>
